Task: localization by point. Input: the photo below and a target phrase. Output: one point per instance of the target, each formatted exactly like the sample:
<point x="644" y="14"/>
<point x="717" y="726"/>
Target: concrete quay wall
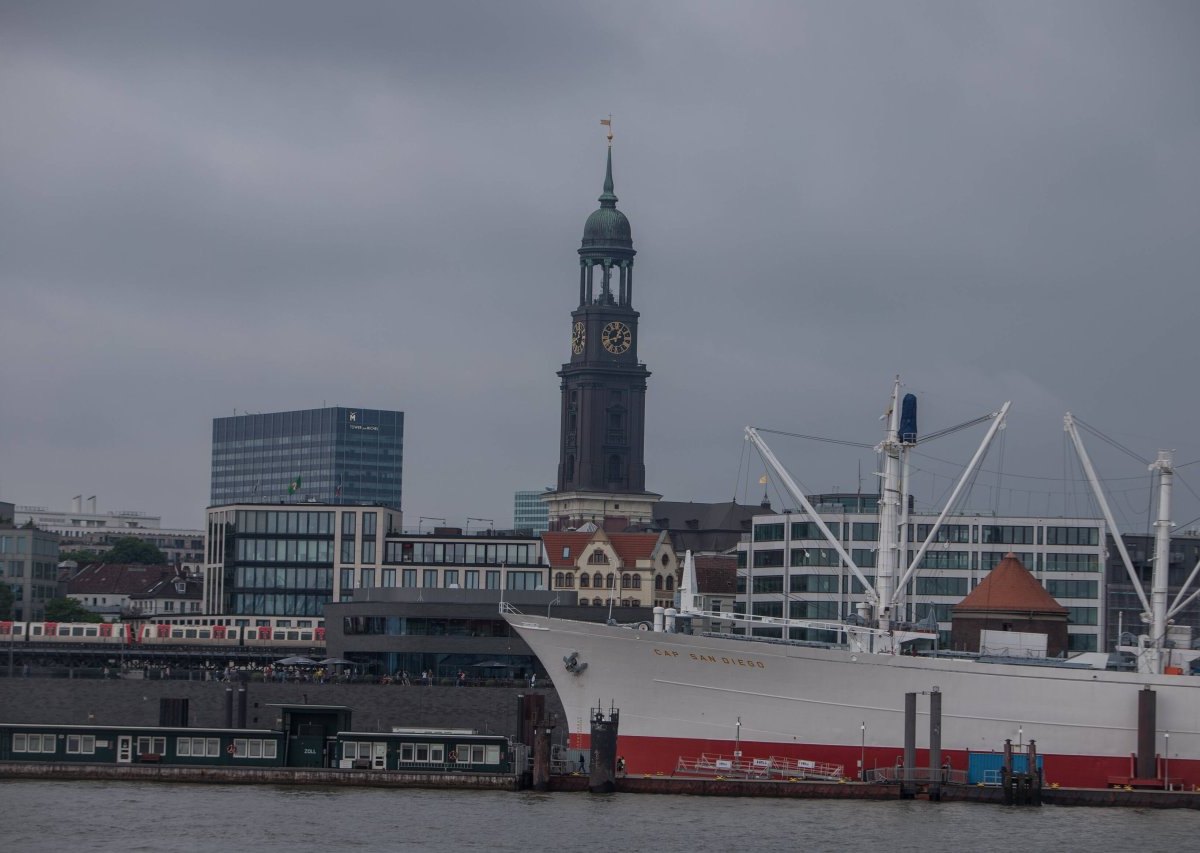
<point x="376" y="707"/>
<point x="263" y="776"/>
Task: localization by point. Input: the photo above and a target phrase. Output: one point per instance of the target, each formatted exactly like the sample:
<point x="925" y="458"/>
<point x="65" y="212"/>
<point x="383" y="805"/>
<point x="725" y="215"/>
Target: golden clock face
<point x="616" y="337"/>
<point x="578" y="338"/>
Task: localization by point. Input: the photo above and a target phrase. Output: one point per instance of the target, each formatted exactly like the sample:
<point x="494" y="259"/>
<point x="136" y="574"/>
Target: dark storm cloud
<point x="275" y="205"/>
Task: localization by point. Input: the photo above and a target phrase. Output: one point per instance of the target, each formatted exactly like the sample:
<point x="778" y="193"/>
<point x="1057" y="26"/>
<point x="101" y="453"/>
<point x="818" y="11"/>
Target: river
<point x="166" y="818"/>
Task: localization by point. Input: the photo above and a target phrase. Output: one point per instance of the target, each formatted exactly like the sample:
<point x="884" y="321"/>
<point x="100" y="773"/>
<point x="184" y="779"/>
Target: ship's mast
<point x="889" y="512"/>
<point x="1162" y="560"/>
<point x="1150" y="652"/>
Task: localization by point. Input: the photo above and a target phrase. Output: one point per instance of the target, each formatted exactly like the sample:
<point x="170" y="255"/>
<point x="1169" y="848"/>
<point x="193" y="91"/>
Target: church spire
<point x="607" y="199"/>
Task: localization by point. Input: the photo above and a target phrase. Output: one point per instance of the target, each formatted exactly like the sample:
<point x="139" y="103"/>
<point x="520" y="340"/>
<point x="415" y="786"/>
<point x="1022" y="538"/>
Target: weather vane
<point x="607" y="122"/>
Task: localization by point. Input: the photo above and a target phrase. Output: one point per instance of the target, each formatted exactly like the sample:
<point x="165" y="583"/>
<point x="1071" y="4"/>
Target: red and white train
<point x="271" y="633"/>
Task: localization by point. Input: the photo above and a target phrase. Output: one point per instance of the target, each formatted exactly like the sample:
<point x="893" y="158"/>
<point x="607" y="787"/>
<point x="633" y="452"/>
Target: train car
<point x="272" y="633"/>
<point x="68" y="633"/>
<point x="425" y="750"/>
<point x="141" y="745"/>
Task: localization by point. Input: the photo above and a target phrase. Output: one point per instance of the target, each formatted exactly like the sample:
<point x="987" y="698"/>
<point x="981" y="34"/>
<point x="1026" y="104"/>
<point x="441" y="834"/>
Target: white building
<point x="786" y="568"/>
<point x="83" y="527"/>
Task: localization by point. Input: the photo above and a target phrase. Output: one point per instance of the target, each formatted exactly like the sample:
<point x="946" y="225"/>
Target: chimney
<point x="92" y="504"/>
<point x="77" y="504"/>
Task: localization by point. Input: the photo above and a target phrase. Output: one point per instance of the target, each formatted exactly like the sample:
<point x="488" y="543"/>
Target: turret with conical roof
<point x="606" y="252"/>
<point x="606" y="234"/>
<point x="1009" y="598"/>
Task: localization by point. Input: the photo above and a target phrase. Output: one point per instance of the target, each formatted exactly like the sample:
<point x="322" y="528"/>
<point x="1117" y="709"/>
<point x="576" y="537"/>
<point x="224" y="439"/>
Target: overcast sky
<point x="210" y="207"/>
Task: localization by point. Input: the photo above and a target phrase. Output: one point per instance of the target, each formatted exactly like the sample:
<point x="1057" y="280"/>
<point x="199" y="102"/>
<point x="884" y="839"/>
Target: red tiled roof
<point x="716" y="575"/>
<point x="630" y="547"/>
<point x="1008" y="587"/>
<point x="116" y="579"/>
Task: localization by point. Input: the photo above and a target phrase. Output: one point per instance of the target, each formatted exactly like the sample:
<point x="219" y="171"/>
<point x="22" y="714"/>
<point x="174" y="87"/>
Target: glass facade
<point x="334" y="455"/>
<point x="530" y="512"/>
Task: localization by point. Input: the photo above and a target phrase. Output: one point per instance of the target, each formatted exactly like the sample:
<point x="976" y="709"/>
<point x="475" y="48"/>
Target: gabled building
<point x="180" y="595"/>
<point x="634" y="569"/>
<point x="108" y="589"/>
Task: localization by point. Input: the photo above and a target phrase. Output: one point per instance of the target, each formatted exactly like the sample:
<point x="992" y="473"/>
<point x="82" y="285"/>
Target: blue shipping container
<point x="985" y="767"/>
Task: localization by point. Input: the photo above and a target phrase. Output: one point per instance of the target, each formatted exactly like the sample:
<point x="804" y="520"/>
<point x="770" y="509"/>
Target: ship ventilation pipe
<point x="658" y="619"/>
<point x="670" y="613"/>
<point x="1147" y="730"/>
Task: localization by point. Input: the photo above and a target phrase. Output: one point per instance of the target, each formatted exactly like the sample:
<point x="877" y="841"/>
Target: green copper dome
<point x="607" y="227"/>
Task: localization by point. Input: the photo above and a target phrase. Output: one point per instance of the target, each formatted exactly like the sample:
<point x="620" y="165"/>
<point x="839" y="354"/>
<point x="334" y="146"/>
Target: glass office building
<point x="530" y="512"/>
<point x="334" y="455"/>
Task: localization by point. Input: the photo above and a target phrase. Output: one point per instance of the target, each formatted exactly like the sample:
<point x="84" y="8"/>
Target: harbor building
<point x="28" y="565"/>
<point x="530" y="514"/>
<point x="335" y="455"/>
<point x="601" y="455"/>
<point x="787" y="569"/>
<point x="291" y="559"/>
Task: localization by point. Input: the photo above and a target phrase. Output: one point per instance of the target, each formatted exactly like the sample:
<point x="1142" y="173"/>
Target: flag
<point x="338" y="491"/>
<point x="294" y="486"/>
<point x="607" y="122"/>
<point x="762" y="481"/>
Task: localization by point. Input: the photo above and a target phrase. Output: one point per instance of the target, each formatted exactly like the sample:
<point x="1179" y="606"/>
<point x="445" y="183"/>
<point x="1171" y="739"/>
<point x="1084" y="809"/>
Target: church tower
<point x="601" y="461"/>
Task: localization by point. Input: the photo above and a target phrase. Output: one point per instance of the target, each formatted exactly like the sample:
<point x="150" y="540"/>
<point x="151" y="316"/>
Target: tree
<point x="130" y="549"/>
<point x="83" y="557"/>
<point x="69" y="610"/>
<point x="6" y="601"/>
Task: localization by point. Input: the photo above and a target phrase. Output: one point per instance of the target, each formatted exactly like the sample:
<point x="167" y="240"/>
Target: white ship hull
<point x="682" y="695"/>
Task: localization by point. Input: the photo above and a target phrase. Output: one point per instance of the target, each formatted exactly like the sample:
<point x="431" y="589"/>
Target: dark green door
<point x="306" y="751"/>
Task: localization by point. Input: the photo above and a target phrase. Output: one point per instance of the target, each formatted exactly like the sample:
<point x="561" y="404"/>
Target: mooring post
<point x="1006" y="772"/>
<point x="229" y="707"/>
<point x="907" y="788"/>
<point x="603" y="776"/>
<point x="241" y="706"/>
<point x="541" y="754"/>
<point x="935" y="744"/>
<point x="1035" y="775"/>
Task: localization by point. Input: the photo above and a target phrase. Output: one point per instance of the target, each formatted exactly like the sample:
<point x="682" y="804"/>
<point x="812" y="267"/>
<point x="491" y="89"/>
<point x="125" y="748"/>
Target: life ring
<point x="231" y="749"/>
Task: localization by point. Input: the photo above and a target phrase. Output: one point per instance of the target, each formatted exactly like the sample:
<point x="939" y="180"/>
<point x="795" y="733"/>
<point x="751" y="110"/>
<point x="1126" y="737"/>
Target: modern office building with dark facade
<point x="334" y="455"/>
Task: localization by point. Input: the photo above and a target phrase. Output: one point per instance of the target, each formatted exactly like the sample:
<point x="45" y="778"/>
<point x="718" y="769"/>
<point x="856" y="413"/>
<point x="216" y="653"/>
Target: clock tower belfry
<point x="601" y="463"/>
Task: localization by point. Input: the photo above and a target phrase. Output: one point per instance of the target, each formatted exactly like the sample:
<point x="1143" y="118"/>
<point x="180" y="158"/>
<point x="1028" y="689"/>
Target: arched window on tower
<point x="614" y="467"/>
<point x="569" y="468"/>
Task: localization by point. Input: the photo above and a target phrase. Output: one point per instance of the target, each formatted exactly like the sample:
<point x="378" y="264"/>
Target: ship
<point x="688" y="693"/>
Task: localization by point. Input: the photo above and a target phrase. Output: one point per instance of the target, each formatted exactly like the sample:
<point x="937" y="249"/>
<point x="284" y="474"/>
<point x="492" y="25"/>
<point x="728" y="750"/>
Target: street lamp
<point x="862" y="756"/>
<point x="1167" y="760"/>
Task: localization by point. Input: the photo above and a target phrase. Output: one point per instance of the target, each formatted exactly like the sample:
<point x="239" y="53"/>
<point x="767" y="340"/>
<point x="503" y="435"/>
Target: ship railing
<point x="799" y="768"/>
<point x="917" y="775"/>
<point x="712" y="765"/>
